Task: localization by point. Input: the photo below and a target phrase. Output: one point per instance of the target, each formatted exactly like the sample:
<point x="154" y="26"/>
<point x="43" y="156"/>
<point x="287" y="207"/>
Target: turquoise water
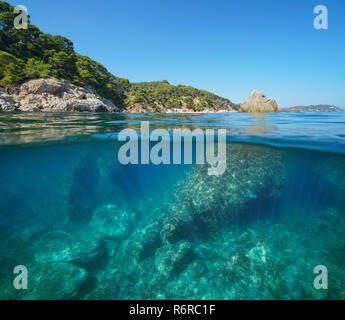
<point x="87" y="227"/>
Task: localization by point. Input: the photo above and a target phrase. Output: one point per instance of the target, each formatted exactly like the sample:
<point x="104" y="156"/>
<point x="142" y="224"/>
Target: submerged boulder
<point x="258" y="102"/>
<point x="142" y="244"/>
<point x="60" y="246"/>
<point x="173" y="258"/>
<point x="109" y="221"/>
<point x="55" y="281"/>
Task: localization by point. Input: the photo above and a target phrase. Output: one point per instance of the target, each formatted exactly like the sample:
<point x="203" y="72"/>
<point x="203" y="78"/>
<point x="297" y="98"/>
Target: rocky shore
<point x="62" y="96"/>
<point x="54" y="95"/>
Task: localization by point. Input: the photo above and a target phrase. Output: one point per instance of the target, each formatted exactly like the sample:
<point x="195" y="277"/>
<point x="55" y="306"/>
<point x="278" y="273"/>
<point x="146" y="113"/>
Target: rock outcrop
<point x="106" y="217"/>
<point x="47" y="281"/>
<point x="172" y="258"/>
<point x="258" y="102"/>
<point x="54" y="95"/>
<point x="209" y="201"/>
<point x="60" y="246"/>
<point x="6" y="101"/>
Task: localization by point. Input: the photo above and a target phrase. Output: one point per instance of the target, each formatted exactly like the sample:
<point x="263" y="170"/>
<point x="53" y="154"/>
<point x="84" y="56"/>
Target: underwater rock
<point x="60" y="246"/>
<point x="143" y="282"/>
<point x="55" y="281"/>
<point x="332" y="170"/>
<point x="172" y="258"/>
<point x="262" y="260"/>
<point x="111" y="247"/>
<point x="82" y="194"/>
<point x="258" y="254"/>
<point x="48" y="281"/>
<point x="106" y="290"/>
<point x="133" y="265"/>
<point x="108" y="220"/>
<point x="207" y="201"/>
<point x="141" y="245"/>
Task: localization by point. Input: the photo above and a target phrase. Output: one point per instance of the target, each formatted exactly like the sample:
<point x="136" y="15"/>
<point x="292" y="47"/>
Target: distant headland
<point x="315" y="108"/>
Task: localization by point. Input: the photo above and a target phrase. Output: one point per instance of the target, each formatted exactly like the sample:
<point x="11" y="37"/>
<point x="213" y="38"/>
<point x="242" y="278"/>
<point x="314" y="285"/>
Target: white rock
<point x="258" y="102"/>
<point x="55" y="95"/>
<point x="6" y="101"/>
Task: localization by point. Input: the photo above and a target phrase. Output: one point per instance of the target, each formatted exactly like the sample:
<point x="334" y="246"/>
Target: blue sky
<point x="226" y="47"/>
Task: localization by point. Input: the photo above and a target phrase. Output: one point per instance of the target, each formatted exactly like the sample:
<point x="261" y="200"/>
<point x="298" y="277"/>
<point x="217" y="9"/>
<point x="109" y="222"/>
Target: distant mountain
<point x="315" y="108"/>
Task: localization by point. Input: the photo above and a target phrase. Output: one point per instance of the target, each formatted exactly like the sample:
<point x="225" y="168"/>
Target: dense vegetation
<point x="161" y="95"/>
<point x="29" y="54"/>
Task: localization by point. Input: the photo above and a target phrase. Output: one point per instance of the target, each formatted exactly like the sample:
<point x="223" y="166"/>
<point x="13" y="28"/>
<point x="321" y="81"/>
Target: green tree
<point x="64" y="65"/>
<point x="35" y="68"/>
<point x="11" y="70"/>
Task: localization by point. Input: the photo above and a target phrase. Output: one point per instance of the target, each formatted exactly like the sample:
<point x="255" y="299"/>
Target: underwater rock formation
<point x="209" y="200"/>
<point x="142" y="244"/>
<point x="55" y="281"/>
<point x="333" y="172"/>
<point x="171" y="258"/>
<point x="48" y="281"/>
<point x="83" y="187"/>
<point x="60" y="246"/>
<point x="241" y="235"/>
<point x="106" y="290"/>
<point x="199" y="201"/>
<point x="108" y="220"/>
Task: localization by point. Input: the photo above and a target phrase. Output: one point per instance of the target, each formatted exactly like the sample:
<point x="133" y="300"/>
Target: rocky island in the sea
<point x="258" y="102"/>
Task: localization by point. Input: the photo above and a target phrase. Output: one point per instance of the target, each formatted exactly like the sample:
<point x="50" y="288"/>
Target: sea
<point x="76" y="223"/>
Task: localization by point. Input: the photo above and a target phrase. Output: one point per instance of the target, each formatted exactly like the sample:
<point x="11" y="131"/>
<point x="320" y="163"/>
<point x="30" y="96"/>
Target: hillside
<point x="160" y="96"/>
<point x="32" y="54"/>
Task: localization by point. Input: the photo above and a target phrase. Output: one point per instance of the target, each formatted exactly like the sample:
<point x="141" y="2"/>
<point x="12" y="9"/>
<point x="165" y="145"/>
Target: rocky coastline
<point x="62" y="96"/>
<point x="52" y="95"/>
